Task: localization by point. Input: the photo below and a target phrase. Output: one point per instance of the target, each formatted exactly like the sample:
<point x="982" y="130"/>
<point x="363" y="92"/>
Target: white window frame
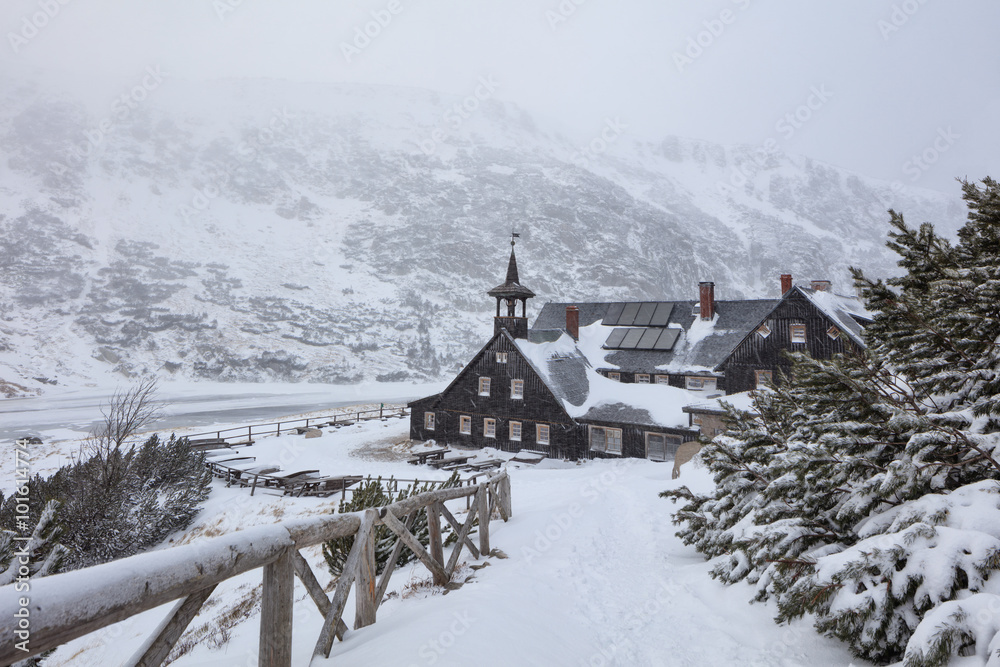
<point x="761" y="375"/>
<point x="484" y="386"/>
<point x="608" y="435"/>
<point x="514" y="393"/>
<point x="489" y="427"/>
<point x="617" y="377"/>
<point x="543" y="434"/>
<point x="668" y="440"/>
<point x="642" y="378"/>
<point x="764" y="331"/>
<point x="663" y="379"/>
<point x="515" y="431"/>
<point x="833" y="332"/>
<point x="429" y="421"/>
<point x="793" y="335"/>
<point x="465" y="425"/>
<point x="501" y="357"/>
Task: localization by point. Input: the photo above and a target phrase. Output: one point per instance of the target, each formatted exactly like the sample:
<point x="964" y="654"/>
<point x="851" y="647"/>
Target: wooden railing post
<point x="276" y="612"/>
<point x="483" y="507"/>
<point x="365" y="605"/>
<point x="434" y="532"/>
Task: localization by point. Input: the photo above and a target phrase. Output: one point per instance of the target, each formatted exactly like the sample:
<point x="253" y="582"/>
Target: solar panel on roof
<point x="628" y="314"/>
<point x="645" y="313"/>
<point x="613" y="314"/>
<point x="631" y="338"/>
<point x="662" y="315"/>
<point x="615" y="339"/>
<point x="648" y="339"/>
<point x="667" y="340"/>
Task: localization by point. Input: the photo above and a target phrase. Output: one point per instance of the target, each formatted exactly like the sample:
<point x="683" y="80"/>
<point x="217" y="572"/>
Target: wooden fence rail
<point x="343" y="418"/>
<point x="67" y="606"/>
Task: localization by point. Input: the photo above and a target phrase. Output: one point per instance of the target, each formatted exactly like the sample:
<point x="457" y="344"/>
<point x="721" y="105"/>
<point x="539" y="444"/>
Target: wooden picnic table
<point x="453" y="460"/>
<point x="327" y="486"/>
<point x="486" y="465"/>
<point x="422" y="457"/>
<point x="290" y="481"/>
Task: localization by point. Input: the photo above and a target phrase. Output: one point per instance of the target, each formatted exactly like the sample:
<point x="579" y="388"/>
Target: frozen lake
<point x="196" y="404"/>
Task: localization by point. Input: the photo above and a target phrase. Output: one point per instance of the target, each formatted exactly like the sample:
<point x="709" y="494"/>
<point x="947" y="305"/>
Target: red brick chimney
<point x="786" y="283"/>
<point x="821" y="285"/>
<point x="573" y="322"/>
<point x="706" y="300"/>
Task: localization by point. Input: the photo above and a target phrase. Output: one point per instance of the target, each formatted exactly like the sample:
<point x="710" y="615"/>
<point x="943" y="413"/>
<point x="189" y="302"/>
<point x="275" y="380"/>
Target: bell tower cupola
<point x="507" y="296"/>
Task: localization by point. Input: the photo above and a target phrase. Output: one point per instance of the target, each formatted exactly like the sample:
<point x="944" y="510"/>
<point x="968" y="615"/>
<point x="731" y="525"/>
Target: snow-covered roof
<point x="586" y="395"/>
<point x="844" y="311"/>
<point x="701" y="347"/>
<point x="740" y="401"/>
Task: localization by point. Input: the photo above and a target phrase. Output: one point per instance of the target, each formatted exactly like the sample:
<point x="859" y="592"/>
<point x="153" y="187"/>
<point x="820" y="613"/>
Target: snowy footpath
<point x="593" y="575"/>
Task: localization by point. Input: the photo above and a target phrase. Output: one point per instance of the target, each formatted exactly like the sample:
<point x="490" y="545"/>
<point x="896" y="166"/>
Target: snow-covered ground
<point x="594" y="575"/>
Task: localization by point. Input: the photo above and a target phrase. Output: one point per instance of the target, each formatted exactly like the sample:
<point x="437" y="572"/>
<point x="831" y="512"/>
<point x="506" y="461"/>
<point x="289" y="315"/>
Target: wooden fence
<point x="63" y="607"/>
<point x="342" y="419"/>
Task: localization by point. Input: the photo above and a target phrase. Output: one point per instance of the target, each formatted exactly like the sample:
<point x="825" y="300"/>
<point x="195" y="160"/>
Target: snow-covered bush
<point x="375" y="493"/>
<point x="156" y="489"/>
<point x="864" y="490"/>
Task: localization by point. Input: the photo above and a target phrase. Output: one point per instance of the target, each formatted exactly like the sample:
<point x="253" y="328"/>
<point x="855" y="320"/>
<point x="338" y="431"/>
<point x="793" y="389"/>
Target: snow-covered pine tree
<point x="43" y="550"/>
<point x="880" y="513"/>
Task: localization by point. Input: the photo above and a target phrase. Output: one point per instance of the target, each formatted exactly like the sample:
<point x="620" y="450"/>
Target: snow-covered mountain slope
<point x="263" y="230"/>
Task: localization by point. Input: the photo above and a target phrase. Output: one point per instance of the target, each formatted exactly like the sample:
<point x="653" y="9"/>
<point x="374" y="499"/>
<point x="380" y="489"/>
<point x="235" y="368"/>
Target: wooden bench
<point x="327" y="486"/>
<point x="451" y="461"/>
<point x="420" y="458"/>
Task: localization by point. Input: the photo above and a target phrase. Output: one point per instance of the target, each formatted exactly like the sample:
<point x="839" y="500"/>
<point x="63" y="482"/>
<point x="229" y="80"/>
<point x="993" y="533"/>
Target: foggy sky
<point x="864" y="84"/>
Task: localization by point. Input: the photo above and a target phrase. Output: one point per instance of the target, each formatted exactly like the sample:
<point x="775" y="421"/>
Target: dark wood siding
<point x="759" y="353"/>
<point x="538" y="406"/>
<point x="633" y="438"/>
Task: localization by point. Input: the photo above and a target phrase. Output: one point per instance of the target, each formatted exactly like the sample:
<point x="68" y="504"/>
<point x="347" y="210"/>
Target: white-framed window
<point x="763" y="378"/>
<point x="490" y="428"/>
<point x="501" y="357"/>
<point x="542" y="434"/>
<point x="696" y="419"/>
<point x="763" y="331"/>
<point x="617" y="377"/>
<point x="429" y="421"/>
<point x="517" y="388"/>
<point x="642" y="378"/>
<point x="465" y="424"/>
<point x="797" y="332"/>
<point x="662" y="379"/>
<point x="608" y="440"/>
<point x="515" y="431"/>
<point x="833" y="332"/>
<point x="699" y="383"/>
<point x="484" y="386"/>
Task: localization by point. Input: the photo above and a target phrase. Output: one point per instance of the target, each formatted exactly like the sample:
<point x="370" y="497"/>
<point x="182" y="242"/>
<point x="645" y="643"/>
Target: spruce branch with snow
<point x="864" y="490"/>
